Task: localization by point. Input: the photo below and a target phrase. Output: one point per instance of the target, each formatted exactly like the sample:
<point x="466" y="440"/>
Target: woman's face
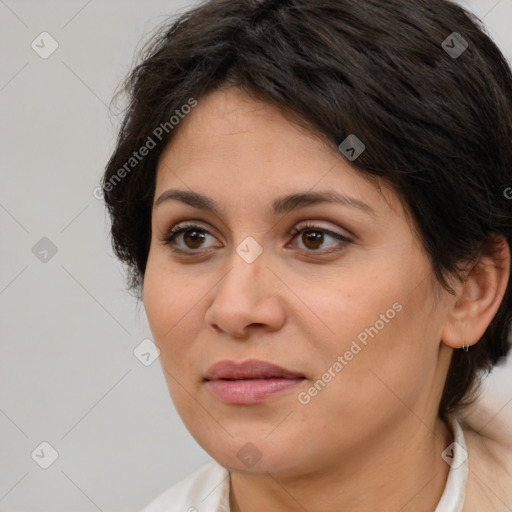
<point x="355" y="319"/>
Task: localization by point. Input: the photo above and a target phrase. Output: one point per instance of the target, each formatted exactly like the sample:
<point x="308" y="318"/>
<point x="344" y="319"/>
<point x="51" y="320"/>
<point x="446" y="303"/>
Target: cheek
<point x="373" y="321"/>
<point x="158" y="300"/>
<point x="169" y="301"/>
<point x="171" y="308"/>
<point x="349" y="306"/>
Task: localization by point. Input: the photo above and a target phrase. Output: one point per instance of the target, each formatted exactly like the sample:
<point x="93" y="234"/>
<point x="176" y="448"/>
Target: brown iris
<point x="314" y="237"/>
<point x="196" y="237"/>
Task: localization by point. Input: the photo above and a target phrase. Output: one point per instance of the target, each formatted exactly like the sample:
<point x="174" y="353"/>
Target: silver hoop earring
<point x="465" y="348"/>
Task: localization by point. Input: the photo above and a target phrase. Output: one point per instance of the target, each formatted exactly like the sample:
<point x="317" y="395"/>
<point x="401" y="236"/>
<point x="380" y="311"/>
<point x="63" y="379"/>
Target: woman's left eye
<point x="313" y="237"/>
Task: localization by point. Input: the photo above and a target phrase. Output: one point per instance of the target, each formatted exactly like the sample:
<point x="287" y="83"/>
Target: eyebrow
<point x="280" y="206"/>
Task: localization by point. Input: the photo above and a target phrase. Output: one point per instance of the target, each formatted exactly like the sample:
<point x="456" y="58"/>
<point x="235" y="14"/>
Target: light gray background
<point x="68" y="375"/>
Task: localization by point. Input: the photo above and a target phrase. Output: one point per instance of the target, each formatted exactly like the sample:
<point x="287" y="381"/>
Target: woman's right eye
<point x="193" y="237"/>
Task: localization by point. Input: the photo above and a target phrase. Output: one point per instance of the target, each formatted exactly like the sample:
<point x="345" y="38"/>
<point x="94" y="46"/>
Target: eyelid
<point x="315" y="225"/>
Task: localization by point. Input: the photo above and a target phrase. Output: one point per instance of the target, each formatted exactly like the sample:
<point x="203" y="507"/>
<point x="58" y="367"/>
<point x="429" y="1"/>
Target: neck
<point x="402" y="470"/>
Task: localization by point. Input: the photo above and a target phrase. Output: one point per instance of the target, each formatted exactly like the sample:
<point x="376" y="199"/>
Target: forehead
<point x="225" y="119"/>
<point x="234" y="142"/>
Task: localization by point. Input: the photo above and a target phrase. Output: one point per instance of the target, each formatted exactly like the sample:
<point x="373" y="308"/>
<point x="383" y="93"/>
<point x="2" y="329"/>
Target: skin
<point x="371" y="439"/>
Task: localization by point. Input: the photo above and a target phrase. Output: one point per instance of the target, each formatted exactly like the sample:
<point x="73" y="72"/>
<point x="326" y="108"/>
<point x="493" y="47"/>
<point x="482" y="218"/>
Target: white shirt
<point x="207" y="488"/>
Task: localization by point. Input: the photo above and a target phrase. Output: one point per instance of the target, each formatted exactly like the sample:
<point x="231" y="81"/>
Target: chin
<point x="252" y="455"/>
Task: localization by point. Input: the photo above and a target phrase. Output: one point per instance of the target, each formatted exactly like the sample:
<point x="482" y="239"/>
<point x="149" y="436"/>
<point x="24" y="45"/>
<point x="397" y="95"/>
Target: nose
<point x="246" y="298"/>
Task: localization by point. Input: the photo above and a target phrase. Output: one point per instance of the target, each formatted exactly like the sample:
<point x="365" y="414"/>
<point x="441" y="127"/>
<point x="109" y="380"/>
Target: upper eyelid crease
<point x="280" y="206"/>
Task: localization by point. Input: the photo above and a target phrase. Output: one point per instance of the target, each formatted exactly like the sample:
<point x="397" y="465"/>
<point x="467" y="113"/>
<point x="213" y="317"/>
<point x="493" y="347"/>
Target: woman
<point x="311" y="198"/>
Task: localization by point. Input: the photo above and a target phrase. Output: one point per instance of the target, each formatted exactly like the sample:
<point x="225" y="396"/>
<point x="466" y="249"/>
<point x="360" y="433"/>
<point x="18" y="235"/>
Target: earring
<point x="465" y="348"/>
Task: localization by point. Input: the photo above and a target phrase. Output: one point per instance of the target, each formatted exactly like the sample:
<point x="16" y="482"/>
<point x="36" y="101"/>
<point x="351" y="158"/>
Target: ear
<point x="479" y="297"/>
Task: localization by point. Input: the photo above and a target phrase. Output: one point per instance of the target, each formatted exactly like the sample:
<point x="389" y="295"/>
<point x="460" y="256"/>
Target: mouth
<point x="251" y="382"/>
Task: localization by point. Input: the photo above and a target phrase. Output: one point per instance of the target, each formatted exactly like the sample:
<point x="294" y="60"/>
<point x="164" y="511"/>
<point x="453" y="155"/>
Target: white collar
<point x="456" y="456"/>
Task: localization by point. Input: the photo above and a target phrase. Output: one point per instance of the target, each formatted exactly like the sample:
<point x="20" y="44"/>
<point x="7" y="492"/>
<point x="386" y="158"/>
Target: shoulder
<point x="487" y="427"/>
<point x="204" y="490"/>
<point x="489" y="485"/>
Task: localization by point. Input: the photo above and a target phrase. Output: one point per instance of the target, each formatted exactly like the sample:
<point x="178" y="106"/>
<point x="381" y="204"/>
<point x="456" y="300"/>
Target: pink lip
<point x="250" y="382"/>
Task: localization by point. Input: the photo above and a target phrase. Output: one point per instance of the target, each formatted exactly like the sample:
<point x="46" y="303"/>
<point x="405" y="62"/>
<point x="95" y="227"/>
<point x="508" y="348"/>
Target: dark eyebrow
<point x="280" y="206"/>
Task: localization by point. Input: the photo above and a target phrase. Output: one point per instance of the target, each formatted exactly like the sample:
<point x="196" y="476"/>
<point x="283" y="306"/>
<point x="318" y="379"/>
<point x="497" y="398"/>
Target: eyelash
<point x="180" y="228"/>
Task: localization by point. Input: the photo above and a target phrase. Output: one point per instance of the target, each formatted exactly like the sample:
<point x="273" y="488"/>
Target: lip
<point x="250" y="369"/>
<point x="250" y="382"/>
